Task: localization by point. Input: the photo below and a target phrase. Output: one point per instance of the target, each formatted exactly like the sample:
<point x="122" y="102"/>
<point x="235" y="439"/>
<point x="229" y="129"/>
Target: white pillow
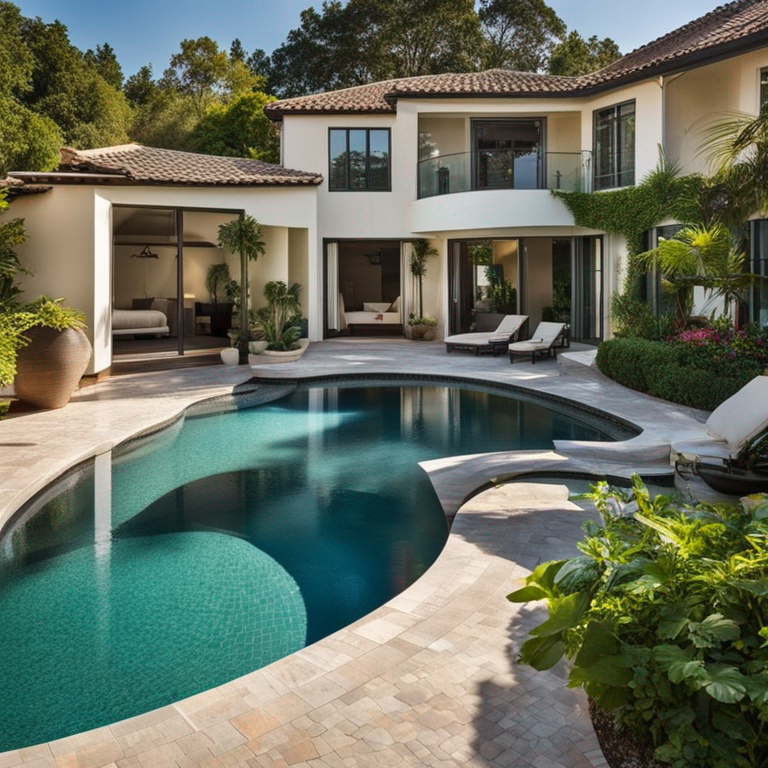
<point x="395" y="307"/>
<point x="743" y="416"/>
<point x="375" y="306"/>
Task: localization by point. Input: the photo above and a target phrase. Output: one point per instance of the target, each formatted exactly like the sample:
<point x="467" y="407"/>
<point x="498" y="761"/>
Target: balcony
<point x="504" y="169"/>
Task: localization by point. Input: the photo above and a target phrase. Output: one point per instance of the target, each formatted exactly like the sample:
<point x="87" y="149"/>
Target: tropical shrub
<point x="280" y="320"/>
<point x="665" y="618"/>
<point x="678" y="371"/>
<point x="425" y="320"/>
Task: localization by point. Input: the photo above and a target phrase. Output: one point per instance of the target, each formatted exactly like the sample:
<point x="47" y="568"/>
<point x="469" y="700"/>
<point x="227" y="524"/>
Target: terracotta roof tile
<point x="742" y="21"/>
<point x="167" y="166"/>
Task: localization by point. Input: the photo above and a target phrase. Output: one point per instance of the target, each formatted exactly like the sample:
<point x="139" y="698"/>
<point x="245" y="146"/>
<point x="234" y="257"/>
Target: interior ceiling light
<point x="144" y="253"/>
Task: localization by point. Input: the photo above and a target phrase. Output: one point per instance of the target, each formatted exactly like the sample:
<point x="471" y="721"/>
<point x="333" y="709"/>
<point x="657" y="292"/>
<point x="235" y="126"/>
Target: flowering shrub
<point x="724" y="350"/>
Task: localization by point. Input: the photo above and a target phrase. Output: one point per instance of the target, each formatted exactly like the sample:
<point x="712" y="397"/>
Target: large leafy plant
<point x="664" y="616"/>
<point x="280" y="321"/>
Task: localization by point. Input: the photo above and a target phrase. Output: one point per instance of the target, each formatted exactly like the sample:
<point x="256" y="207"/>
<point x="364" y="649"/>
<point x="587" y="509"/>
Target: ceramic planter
<point x="230" y="356"/>
<point x="291" y="356"/>
<point x="621" y="747"/>
<point x="256" y="347"/>
<point x="50" y="366"/>
<point x="424" y="332"/>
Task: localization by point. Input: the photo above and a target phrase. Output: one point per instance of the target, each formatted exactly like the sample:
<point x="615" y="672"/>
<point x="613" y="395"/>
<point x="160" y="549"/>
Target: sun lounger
<point x="489" y="341"/>
<point x="731" y="425"/>
<point x="541" y="344"/>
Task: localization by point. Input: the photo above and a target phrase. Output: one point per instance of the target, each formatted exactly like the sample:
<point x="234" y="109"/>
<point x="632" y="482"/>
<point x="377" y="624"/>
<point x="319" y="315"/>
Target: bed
<point x="137" y="322"/>
<point x="377" y="318"/>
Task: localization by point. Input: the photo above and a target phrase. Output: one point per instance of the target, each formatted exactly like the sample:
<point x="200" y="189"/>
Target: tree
<point x="141" y="86"/>
<point x="165" y="120"/>
<point x="238" y="129"/>
<point x="243" y="236"/>
<point x="236" y="51"/>
<point x="106" y="64"/>
<point x="197" y="70"/>
<point x="16" y="61"/>
<point x="28" y="141"/>
<point x="421" y="251"/>
<point x="519" y="34"/>
<point x="576" y="56"/>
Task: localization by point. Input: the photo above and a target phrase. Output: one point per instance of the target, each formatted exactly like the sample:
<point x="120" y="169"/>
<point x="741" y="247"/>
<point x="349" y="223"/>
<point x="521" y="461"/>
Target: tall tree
<point x="236" y="51"/>
<point x="104" y="60"/>
<point x="141" y="86"/>
<point x="16" y="61"/>
<point x="519" y="34"/>
<point x="197" y="70"/>
<point x="576" y="56"/>
<point x="238" y="129"/>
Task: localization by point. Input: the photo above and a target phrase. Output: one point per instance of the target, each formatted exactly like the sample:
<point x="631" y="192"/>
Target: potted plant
<point x="243" y="236"/>
<point x="280" y="321"/>
<point x="231" y="355"/>
<point x="217" y="281"/>
<point x="421" y="251"/>
<point x="664" y="616"/>
<point x="50" y="365"/>
<point x="422" y="328"/>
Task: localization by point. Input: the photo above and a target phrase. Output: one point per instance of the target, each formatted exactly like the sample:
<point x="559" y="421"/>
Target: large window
<point x="759" y="248"/>
<point x="763" y="89"/>
<point x="615" y="146"/>
<point x="359" y="159"/>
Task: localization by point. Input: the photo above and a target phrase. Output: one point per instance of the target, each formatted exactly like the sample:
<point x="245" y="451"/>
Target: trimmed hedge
<point x="673" y="372"/>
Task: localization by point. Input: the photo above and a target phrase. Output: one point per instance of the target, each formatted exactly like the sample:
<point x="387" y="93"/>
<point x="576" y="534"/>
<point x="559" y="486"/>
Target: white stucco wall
<point x="698" y="98"/>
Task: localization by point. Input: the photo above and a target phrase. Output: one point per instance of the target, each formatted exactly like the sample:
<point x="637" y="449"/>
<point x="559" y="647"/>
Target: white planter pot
<point x="256" y="347"/>
<point x="291" y="356"/>
<point x="230" y="356"/>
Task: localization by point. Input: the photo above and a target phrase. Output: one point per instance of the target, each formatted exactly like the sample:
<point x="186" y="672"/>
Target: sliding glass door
<point x="507" y="154"/>
<point x="587" y="289"/>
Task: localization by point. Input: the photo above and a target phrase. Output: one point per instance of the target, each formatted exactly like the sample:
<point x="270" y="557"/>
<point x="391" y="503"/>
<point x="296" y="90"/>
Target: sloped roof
<point x="728" y="29"/>
<point x="134" y="163"/>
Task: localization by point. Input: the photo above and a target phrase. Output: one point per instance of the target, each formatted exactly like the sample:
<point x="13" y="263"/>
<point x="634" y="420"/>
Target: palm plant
<point x="11" y="234"/>
<point x="705" y="256"/>
<point x="280" y="320"/>
<point x="421" y="250"/>
<point x="243" y="236"/>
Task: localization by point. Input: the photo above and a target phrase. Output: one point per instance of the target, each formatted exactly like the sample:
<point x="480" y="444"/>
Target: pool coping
<point x="226" y="393"/>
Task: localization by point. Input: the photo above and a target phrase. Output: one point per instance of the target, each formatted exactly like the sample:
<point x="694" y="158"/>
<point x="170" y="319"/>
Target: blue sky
<point x="143" y="31"/>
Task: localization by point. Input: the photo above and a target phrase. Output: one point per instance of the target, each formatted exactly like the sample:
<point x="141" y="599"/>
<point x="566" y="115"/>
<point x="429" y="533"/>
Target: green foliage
<point x="30" y="141"/>
<point x="238" y="129"/>
<point x="216" y="279"/>
<point x="574" y="55"/>
<point x="500" y="294"/>
<point x="421" y="251"/>
<point x="4" y="404"/>
<point x="105" y="62"/>
<point x="519" y="34"/>
<point x="424" y="320"/>
<point x="280" y="320"/>
<point x="11" y="234"/>
<point x="243" y="236"/>
<point x="141" y="86"/>
<point x="12" y="339"/>
<point x="49" y="313"/>
<point x="681" y="373"/>
<point x="663" y="616"/>
<point x="16" y="62"/>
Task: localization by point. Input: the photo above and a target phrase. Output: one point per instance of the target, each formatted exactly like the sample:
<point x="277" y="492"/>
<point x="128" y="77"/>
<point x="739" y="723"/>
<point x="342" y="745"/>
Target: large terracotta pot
<point x="50" y="366"/>
<point x="423" y="332"/>
<point x="621" y="747"/>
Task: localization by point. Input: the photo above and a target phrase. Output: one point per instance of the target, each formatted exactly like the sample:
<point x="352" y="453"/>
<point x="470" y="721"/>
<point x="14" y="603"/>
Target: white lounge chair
<point x="493" y="341"/>
<point x="541" y="344"/>
<point x="731" y="425"/>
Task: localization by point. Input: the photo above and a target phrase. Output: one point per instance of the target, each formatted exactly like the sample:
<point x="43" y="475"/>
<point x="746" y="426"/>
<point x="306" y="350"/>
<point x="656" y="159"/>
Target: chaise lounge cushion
<point x="545" y="335"/>
<point x="509" y="326"/>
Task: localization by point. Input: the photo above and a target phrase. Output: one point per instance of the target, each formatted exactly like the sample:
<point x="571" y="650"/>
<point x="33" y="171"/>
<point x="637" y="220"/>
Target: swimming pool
<point x="228" y="541"/>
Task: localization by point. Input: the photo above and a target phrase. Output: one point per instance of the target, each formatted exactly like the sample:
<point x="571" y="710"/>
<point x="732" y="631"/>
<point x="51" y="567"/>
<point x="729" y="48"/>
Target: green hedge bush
<point x="674" y="372"/>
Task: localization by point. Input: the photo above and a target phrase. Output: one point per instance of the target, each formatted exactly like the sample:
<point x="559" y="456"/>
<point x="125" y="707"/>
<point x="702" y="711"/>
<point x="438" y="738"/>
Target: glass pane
<point x="760" y="267"/>
<point x="763" y="89"/>
<point x="379" y="159"/>
<point x="338" y="157"/>
<point x="626" y="148"/>
<point x="508" y="154"/>
<point x="357" y="152"/>
<point x="604" y="149"/>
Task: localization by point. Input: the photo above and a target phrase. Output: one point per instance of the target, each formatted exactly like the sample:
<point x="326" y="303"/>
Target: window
<point x="359" y="159"/>
<point x="763" y="89"/>
<point x="759" y="292"/>
<point x="615" y="146"/>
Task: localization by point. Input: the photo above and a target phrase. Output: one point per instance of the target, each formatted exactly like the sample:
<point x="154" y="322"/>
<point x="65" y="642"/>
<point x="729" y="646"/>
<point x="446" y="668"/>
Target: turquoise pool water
<point x="229" y="541"/>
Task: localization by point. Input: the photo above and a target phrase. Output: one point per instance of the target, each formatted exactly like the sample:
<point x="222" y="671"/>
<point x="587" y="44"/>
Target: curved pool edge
<point x="437" y="654"/>
<point x="178" y="410"/>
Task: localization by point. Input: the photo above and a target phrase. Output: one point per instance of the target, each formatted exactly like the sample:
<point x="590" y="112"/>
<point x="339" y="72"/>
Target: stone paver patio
<point x="427" y="679"/>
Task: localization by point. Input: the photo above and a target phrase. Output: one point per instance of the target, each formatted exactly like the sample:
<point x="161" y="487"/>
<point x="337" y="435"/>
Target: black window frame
<point x="615" y="172"/>
<point x="367" y="187"/>
<point x="762" y="90"/>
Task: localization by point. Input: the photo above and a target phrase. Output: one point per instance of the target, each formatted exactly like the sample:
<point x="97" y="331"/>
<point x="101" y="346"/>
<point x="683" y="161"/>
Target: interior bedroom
<point x="145" y="316"/>
<point x="364" y="288"/>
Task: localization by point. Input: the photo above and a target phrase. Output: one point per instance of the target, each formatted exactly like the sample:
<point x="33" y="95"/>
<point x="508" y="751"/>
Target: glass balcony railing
<point x="505" y="169"/>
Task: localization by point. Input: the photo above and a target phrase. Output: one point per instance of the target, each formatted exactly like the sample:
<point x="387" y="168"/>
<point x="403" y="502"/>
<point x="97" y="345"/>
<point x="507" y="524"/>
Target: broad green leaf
<point x="664" y="530"/>
<point x="757" y="688"/>
<point x="756" y="587"/>
<point x="724" y="683"/>
<point x="609" y="671"/>
<point x="598" y="642"/>
<point x="714" y="629"/>
<point x="543" y="575"/>
<point x="733" y="724"/>
<point x="564" y="613"/>
<point x="673" y="621"/>
<point x="678" y="717"/>
<point x="577" y="574"/>
<point x="526" y="594"/>
<point x="679" y="664"/>
<point x="542" y="652"/>
<point x="612" y="698"/>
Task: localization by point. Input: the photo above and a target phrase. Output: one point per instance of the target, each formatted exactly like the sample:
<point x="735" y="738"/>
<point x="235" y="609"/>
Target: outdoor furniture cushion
<point x="544" y="337"/>
<point x="510" y="325"/>
<point x="376" y="306"/>
<point x="742" y="416"/>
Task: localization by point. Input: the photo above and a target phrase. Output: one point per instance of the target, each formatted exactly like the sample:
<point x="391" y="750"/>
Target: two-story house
<point x="466" y="161"/>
